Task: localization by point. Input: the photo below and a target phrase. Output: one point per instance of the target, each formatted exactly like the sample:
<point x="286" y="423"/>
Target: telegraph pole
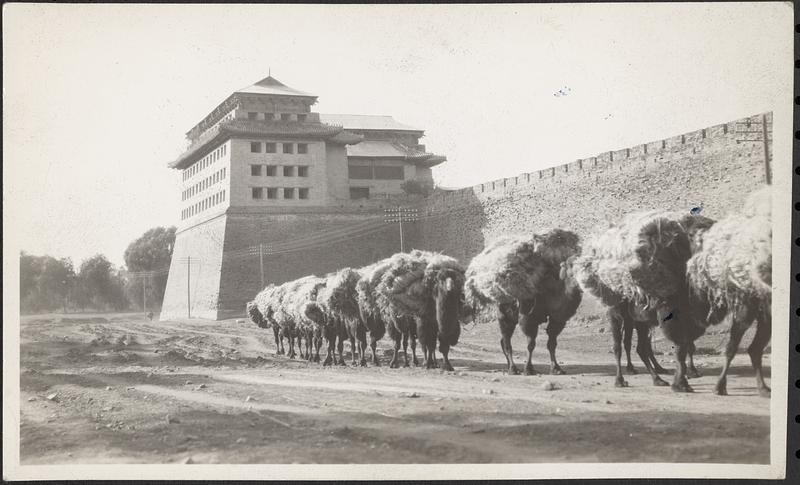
<point x="400" y="215"/>
<point x="751" y="134"/>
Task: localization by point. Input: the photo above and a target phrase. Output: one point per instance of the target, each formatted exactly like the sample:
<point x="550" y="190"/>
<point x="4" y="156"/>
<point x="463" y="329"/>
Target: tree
<point x="416" y="186"/>
<point x="100" y="285"/>
<point x="45" y="282"/>
<point x="150" y="252"/>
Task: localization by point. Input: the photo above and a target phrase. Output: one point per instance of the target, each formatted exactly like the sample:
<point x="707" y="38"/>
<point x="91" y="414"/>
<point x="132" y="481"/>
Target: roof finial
<point x="269" y="71"/>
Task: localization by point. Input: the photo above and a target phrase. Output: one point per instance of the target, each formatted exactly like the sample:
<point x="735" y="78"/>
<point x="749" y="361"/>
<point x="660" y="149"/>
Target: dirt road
<point x="117" y="388"/>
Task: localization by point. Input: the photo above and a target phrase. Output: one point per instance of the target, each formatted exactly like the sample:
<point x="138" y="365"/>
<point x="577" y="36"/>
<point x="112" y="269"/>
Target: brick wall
<point x="713" y="168"/>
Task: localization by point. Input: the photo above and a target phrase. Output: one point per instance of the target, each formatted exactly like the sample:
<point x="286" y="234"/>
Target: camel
<point x="555" y="303"/>
<point x="728" y="277"/>
<point x="527" y="280"/>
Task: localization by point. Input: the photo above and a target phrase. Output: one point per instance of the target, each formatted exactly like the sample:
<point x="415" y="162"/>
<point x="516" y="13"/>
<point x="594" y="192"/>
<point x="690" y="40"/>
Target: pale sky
<point x="97" y="98"/>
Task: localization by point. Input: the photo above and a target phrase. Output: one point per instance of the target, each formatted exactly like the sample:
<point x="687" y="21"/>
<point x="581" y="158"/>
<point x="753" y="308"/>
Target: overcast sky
<point x="97" y="98"/>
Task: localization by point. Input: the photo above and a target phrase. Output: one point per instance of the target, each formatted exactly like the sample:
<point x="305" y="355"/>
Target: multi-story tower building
<point x="262" y="170"/>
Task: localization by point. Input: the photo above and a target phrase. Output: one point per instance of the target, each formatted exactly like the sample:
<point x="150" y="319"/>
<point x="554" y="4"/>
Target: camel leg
<point x="652" y="354"/>
<point x="643" y="349"/>
<point x="531" y="330"/>
<point x="353" y="350"/>
<point x="691" y="370"/>
<point x="742" y="318"/>
<point x="444" y="348"/>
<point x="330" y="338"/>
<point x="291" y="354"/>
<point x="554" y="328"/>
<point x="277" y="333"/>
<point x="317" y="342"/>
<point x="283" y="337"/>
<point x="507" y="327"/>
<point x="341" y="335"/>
<point x="405" y="349"/>
<point x="627" y="338"/>
<point x="373" y="344"/>
<point x="617" y="325"/>
<point x="756" y="349"/>
<point x="413" y="338"/>
<point x="393" y="363"/>
<point x="361" y="334"/>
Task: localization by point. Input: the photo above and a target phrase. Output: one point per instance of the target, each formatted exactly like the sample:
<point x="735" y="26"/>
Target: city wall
<point x="712" y="168"/>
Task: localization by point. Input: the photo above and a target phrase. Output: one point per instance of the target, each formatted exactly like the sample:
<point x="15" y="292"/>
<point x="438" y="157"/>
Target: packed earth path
<point x="117" y="388"/>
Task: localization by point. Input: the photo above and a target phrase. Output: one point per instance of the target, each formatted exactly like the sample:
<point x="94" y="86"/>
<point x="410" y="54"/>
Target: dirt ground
<point x="119" y="389"/>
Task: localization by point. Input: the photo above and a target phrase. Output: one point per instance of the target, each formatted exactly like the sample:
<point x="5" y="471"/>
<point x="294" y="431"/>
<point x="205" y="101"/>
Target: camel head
<point x="313" y="312"/>
<point x="255" y="315"/>
<point x="447" y="292"/>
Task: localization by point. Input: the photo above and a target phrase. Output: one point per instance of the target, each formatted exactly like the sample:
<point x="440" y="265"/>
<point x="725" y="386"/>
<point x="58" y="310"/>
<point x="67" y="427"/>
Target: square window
<point x="272" y="170"/>
<point x="302" y="171"/>
<point x="272" y="193"/>
<point x="286" y="117"/>
<point x="301" y="118"/>
<point x="302" y="193"/>
<point x="252" y="116"/>
<point x="271" y="148"/>
<point x="255" y="170"/>
<point x="255" y="147"/>
<point x="302" y="148"/>
<point x="288" y="171"/>
<point x="288" y="148"/>
<point x="288" y="193"/>
<point x="359" y="172"/>
<point x="269" y="116"/>
<point x="257" y="192"/>
<point x="389" y="173"/>
<point x="359" y="192"/>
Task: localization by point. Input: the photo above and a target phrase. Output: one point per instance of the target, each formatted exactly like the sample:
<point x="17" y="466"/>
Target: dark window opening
<point x="301" y="118"/>
<point x="255" y="170"/>
<point x="302" y="171"/>
<point x="302" y="148"/>
<point x="272" y="193"/>
<point x="255" y="147"/>
<point x="288" y="171"/>
<point x="252" y="116"/>
<point x="359" y="192"/>
<point x="269" y="116"/>
<point x="272" y="170"/>
<point x="286" y="117"/>
<point x="288" y="193"/>
<point x="359" y="172"/>
<point x="258" y="193"/>
<point x="302" y="193"/>
<point x="389" y="173"/>
<point x="271" y="148"/>
<point x="288" y="148"/>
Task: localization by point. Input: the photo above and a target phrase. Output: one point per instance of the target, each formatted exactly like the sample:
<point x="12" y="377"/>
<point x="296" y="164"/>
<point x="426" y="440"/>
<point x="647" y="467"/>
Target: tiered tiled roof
<point x="367" y="122"/>
<point x="389" y="149"/>
<point x="255" y="129"/>
<point x="270" y="85"/>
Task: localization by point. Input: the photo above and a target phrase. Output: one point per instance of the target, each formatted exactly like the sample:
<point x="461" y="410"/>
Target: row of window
<point x="201" y="205"/>
<point x="252" y="115"/>
<point x="258" y="193"/>
<point x="272" y="170"/>
<point x="270" y="147"/>
<point x="369" y="172"/>
<point x="205" y="162"/>
<point x="207" y="182"/>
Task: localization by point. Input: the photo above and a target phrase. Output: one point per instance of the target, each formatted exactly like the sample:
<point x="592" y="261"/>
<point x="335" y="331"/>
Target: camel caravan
<point x="681" y="272"/>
